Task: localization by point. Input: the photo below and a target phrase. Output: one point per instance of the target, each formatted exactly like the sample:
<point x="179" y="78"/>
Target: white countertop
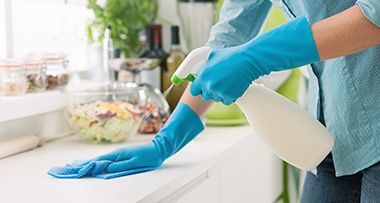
<point x="23" y="177"/>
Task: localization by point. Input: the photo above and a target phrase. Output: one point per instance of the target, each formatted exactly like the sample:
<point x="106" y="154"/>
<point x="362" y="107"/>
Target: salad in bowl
<point x="107" y="114"/>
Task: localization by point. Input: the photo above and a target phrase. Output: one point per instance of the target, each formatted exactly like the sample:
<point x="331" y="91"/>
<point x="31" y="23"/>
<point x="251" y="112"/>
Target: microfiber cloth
<point x="96" y="169"/>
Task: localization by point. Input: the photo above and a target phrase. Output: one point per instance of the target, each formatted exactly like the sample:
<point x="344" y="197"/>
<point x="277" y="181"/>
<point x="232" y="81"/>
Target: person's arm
<point x="345" y="33"/>
<point x="197" y="104"/>
<point x="239" y="22"/>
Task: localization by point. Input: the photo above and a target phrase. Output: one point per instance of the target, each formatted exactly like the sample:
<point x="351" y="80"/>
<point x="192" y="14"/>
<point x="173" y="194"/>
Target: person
<point x="339" y="38"/>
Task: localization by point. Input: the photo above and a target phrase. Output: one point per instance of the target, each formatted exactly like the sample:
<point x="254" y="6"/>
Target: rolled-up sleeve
<point x="371" y="10"/>
<point x="239" y="21"/>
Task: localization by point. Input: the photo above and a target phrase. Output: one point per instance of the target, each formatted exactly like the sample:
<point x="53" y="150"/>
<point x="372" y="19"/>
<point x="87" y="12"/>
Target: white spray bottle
<point x="287" y="129"/>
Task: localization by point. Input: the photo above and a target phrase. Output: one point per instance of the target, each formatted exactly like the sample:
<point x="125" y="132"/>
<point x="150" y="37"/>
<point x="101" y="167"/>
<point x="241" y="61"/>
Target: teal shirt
<point x="345" y="90"/>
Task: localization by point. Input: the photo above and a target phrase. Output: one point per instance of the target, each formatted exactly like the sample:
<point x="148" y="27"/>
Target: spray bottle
<point x="287" y="129"/>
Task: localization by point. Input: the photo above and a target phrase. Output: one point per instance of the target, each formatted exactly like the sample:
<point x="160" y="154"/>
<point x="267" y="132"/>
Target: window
<point x="3" y="14"/>
<point x="46" y="26"/>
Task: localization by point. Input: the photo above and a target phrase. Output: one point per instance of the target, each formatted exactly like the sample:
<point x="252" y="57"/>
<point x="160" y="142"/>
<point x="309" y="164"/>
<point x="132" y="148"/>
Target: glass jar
<point x="57" y="75"/>
<point x="12" y="77"/>
<point x="36" y="75"/>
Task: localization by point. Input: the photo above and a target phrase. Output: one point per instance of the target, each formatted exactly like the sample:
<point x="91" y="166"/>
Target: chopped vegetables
<point x="154" y="119"/>
<point x="112" y="107"/>
<point x="104" y="121"/>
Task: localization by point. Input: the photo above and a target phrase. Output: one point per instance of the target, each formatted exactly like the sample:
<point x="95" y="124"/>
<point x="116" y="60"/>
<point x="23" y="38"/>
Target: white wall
<point x="2" y="29"/>
<point x="168" y="10"/>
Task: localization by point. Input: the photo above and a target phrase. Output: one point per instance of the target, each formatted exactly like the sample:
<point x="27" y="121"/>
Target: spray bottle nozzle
<point x="177" y="80"/>
<point x="191" y="66"/>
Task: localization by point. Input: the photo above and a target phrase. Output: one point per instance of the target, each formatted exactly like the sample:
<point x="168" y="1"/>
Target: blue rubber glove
<point x="230" y="71"/>
<point x="182" y="126"/>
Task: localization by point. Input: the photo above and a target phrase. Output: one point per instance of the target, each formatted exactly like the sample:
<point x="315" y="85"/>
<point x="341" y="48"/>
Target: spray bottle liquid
<point x="287" y="129"/>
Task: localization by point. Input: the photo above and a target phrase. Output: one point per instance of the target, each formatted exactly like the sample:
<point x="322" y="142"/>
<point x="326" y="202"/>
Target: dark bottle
<point x="175" y="58"/>
<point x="153" y="76"/>
<point x="158" y="48"/>
<point x="158" y="41"/>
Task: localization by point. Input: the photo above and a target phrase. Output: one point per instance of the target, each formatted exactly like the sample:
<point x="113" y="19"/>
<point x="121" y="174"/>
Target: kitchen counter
<point x="36" y="112"/>
<point x="207" y="168"/>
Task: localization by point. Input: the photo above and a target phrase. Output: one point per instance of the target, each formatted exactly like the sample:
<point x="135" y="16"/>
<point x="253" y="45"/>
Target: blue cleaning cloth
<point x="96" y="169"/>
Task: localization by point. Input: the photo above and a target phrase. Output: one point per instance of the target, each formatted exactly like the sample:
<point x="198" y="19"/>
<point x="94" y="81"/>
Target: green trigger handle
<point x="177" y="80"/>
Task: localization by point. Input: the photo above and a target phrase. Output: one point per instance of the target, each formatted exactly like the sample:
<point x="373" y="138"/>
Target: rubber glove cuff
<point x="182" y="126"/>
<point x="287" y="46"/>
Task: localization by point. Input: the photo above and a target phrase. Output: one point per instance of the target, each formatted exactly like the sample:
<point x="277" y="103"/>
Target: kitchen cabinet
<point x="206" y="191"/>
<point x="239" y="180"/>
<point x="253" y="175"/>
<point x="223" y="164"/>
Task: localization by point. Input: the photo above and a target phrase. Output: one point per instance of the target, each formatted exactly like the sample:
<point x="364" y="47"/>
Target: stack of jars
<point x="33" y="74"/>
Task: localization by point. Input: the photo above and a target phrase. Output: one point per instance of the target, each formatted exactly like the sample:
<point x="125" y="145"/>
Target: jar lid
<point x="53" y="56"/>
<point x="34" y="63"/>
<point x="11" y="62"/>
<point x="9" y="65"/>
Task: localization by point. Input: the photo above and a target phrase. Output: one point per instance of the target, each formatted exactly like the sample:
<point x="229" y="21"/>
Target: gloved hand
<point x="181" y="127"/>
<point x="230" y="71"/>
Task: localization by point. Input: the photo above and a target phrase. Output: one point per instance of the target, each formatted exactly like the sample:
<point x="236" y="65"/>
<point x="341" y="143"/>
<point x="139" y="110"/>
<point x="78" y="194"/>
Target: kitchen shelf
<point x="30" y="104"/>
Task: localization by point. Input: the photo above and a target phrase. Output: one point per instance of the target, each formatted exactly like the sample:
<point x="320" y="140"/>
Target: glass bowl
<point x="157" y="111"/>
<point x="106" y="114"/>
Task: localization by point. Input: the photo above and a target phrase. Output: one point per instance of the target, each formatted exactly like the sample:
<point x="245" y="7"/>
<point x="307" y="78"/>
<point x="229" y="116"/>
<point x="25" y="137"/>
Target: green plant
<point x="127" y="18"/>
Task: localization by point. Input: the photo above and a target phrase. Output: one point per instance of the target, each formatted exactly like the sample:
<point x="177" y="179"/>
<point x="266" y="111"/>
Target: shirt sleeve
<point x="239" y="21"/>
<point x="371" y="10"/>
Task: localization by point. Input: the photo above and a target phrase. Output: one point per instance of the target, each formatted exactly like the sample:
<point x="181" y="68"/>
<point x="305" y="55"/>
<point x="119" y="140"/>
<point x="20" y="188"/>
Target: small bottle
<point x="158" y="47"/>
<point x="108" y="55"/>
<point x="140" y="49"/>
<point x="158" y="41"/>
<point x="12" y="77"/>
<point x="175" y="58"/>
<point x="151" y="76"/>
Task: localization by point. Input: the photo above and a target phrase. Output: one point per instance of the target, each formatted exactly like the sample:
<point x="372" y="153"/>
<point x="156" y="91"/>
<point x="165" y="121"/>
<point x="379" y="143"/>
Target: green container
<point x="222" y="115"/>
